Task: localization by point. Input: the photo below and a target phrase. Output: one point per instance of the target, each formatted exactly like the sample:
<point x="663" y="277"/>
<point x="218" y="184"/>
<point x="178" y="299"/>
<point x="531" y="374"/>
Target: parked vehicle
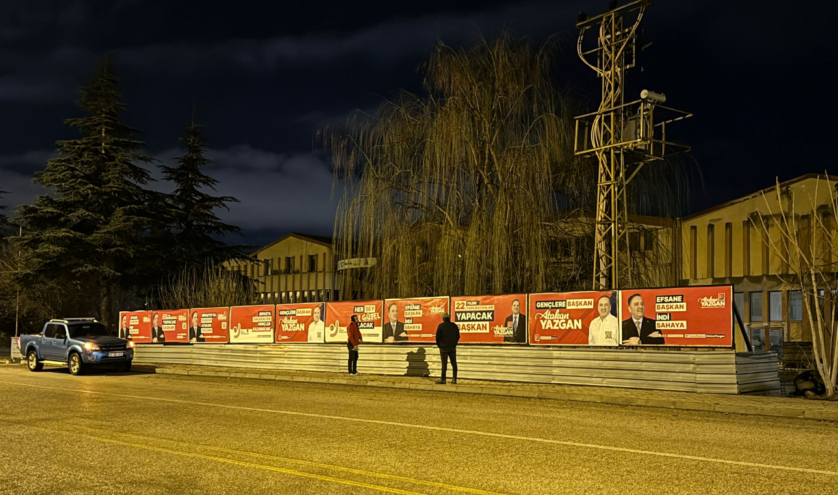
<point x="77" y="343"/>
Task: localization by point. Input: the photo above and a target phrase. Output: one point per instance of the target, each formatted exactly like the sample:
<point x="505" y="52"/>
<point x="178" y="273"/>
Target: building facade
<point x="740" y="243"/>
<point x="294" y="268"/>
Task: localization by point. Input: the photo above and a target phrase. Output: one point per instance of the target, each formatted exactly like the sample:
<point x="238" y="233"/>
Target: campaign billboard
<point x="574" y="318"/>
<point x="135" y="325"/>
<point x="169" y="326"/>
<point x="679" y="316"/>
<point x="300" y="322"/>
<point x="252" y="324"/>
<point x="209" y="325"/>
<point x="413" y="320"/>
<point x="491" y="319"/>
<point x="338" y="315"/>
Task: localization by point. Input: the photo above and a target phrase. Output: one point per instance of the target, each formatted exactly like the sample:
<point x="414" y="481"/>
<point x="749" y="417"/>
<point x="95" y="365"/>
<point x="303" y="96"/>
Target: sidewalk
<point x="786" y="407"/>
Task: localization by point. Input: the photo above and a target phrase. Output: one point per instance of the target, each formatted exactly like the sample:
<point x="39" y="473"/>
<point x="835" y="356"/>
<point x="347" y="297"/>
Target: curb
<point x="685" y="405"/>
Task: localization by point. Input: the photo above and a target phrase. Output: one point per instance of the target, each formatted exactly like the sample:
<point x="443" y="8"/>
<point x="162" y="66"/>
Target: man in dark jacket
<point x="447" y="336"/>
<point x="353" y="336"/>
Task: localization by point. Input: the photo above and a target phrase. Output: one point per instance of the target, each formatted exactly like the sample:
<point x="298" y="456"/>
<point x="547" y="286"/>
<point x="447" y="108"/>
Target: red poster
<point x="209" y="325"/>
<point x="413" y="320"/>
<point x="681" y="316"/>
<point x="135" y="325"/>
<point x="491" y="319"/>
<point x="338" y="315"/>
<point x="574" y="318"/>
<point x="252" y="324"/>
<point x="301" y="322"/>
<point x="173" y="324"/>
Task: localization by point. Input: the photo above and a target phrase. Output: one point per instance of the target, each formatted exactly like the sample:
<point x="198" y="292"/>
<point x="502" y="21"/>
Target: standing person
<point x="447" y="336"/>
<point x="354" y="337"/>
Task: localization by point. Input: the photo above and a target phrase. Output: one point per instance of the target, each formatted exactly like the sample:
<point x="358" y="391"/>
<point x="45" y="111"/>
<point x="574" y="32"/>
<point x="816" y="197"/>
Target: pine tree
<point x="90" y="232"/>
<point x="194" y="221"/>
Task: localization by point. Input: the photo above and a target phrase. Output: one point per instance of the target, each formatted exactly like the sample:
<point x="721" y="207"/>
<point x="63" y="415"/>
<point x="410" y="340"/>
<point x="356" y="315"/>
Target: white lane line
<point x="444" y="429"/>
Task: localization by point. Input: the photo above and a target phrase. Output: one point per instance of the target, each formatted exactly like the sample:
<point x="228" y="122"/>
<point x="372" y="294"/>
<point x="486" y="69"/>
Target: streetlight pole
<point x="17" y="295"/>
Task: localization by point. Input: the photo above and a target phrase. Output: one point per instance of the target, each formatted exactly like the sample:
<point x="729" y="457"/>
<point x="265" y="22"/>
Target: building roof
<point x="759" y="193"/>
<point x="316" y="239"/>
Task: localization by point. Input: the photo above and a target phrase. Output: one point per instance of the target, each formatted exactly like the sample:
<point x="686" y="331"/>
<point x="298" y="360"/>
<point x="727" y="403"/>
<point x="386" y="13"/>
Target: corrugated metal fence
<point x="719" y="371"/>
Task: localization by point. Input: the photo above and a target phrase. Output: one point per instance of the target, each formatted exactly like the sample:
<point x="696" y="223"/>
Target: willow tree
<point x="472" y="188"/>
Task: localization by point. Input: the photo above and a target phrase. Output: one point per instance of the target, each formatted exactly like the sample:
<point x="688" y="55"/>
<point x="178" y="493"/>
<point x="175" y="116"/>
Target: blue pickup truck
<point x="77" y="343"/>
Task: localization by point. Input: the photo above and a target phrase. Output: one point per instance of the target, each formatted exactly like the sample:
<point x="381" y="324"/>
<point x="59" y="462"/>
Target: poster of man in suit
<point x="637" y="328"/>
<point x="678" y="316"/>
<point x="210" y="325"/>
<point x="135" y="325"/>
<point x="494" y="319"/>
<point x="414" y="319"/>
<point x="394" y="329"/>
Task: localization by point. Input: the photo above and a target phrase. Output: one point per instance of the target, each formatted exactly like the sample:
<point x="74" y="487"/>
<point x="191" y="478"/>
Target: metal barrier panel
<point x="718" y="371"/>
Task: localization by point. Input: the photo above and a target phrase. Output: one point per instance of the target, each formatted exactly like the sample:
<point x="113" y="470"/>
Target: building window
<point x="266" y="266"/>
<point x="739" y="304"/>
<point x="693" y="252"/>
<point x="728" y="249"/>
<point x="312" y="263"/>
<point x="775" y="306"/>
<point x="746" y="248"/>
<point x="796" y="305"/>
<point x="649" y="240"/>
<point x="634" y="242"/>
<point x="711" y="251"/>
<point x="756" y="306"/>
<point x="289" y="264"/>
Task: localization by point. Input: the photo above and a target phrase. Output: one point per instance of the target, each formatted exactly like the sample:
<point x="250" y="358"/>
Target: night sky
<point x="264" y="76"/>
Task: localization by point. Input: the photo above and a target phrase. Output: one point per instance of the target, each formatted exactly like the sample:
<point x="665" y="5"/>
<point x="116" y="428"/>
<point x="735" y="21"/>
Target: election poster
<point x="135" y="325"/>
<point x="209" y="325"/>
<point x="491" y="319"/>
<point x="680" y="316"/>
<point x="252" y="324"/>
<point x="338" y="315"/>
<point x="169" y="326"/>
<point x="574" y="318"/>
<point x="413" y="320"/>
<point x="301" y="322"/>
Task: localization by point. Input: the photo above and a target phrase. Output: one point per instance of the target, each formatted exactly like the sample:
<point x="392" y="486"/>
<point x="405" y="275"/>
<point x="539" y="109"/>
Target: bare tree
<point x="207" y="286"/>
<point x="803" y="239"/>
<point x="473" y="188"/>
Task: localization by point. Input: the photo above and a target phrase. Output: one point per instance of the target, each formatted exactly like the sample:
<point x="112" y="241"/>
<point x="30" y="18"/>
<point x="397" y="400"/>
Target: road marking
<point x="264" y="467"/>
<point x="447" y="430"/>
<point x="360" y="472"/>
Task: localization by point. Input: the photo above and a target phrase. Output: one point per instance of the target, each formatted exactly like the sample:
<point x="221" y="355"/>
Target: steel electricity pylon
<point x="623" y="136"/>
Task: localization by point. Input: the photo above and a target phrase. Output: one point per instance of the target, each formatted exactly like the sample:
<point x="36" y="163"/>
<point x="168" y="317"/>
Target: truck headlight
<point x="130" y="344"/>
<point x="90" y="346"/>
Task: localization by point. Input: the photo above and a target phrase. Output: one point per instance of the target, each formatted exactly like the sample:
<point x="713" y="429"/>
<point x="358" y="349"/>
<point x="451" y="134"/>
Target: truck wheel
<point x="125" y="368"/>
<point x="32" y="361"/>
<point x="75" y="364"/>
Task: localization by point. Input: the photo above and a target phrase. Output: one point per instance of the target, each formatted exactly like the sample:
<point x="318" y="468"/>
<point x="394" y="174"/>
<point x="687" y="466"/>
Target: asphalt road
<point x="144" y="433"/>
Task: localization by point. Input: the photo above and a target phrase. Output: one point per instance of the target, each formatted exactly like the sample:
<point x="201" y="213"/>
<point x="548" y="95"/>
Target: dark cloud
<point x="276" y="191"/>
<point x="266" y="76"/>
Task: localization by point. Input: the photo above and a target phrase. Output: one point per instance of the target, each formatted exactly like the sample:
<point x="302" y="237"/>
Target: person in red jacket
<point x="354" y="337"/>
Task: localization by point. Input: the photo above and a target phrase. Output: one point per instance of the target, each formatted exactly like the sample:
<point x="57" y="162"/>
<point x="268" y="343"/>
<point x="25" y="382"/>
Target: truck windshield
<point x="88" y="330"/>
